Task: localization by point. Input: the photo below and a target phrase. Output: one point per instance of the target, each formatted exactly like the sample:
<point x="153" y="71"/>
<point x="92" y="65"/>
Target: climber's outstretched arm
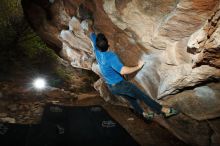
<point x="128" y="70"/>
<point x="90" y="26"/>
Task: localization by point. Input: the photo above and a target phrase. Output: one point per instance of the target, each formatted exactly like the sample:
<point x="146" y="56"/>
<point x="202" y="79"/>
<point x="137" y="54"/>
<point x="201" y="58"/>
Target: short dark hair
<point x="102" y="42"/>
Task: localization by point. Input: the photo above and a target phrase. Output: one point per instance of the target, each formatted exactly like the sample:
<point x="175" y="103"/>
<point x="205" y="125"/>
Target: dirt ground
<point x="26" y="110"/>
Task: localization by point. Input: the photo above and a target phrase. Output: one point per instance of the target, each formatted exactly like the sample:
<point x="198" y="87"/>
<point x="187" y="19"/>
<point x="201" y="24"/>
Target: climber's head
<point x="102" y="42"/>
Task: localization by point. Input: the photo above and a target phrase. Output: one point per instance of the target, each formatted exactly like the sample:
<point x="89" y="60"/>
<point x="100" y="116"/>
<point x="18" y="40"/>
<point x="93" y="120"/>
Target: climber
<point x="112" y="70"/>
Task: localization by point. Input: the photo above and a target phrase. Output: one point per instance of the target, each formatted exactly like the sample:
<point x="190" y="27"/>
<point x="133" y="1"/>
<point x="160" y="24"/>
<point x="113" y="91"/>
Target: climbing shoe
<point x="148" y="116"/>
<point x="172" y="112"/>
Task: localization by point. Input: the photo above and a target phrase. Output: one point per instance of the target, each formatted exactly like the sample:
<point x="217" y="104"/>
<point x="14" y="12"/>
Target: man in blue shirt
<point x="112" y="70"/>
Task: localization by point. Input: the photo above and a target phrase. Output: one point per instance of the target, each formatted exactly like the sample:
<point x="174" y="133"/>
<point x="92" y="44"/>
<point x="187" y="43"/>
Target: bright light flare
<point x="39" y="83"/>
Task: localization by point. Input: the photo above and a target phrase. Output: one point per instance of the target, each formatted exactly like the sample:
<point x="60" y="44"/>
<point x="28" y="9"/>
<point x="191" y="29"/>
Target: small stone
<point x="55" y="101"/>
<point x="73" y="95"/>
<point x="130" y="119"/>
<point x="3" y="115"/>
<point x="12" y="107"/>
<point x="20" y="107"/>
<point x="38" y="110"/>
<point x="67" y="92"/>
<point x="8" y="120"/>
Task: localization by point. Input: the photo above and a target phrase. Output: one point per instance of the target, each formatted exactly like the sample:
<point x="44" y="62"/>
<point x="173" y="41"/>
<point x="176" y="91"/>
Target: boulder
<point x="178" y="40"/>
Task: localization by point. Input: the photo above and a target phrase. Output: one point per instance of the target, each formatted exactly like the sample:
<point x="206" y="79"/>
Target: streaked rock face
<point x="166" y="26"/>
<point x="81" y="56"/>
<point x="178" y="39"/>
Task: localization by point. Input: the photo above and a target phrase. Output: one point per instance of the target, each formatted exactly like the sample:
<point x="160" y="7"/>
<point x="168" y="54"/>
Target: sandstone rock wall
<point x="178" y="40"/>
